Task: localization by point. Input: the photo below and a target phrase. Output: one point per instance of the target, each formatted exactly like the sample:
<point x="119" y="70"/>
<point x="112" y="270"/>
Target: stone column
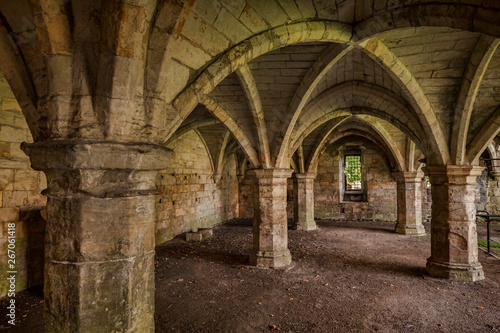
<point x="409" y="196"/>
<point x="99" y="246"/>
<point x="303" y="188"/>
<point x="453" y="226"/>
<point x="493" y="204"/>
<point x="270" y="227"/>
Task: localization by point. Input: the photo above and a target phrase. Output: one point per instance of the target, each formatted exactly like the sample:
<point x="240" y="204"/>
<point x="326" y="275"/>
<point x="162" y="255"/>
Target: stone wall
<point x="482" y="190"/>
<point x="190" y="196"/>
<point x="426" y="201"/>
<point x="245" y="198"/>
<point x="380" y="201"/>
<point x="20" y="198"/>
<point x="493" y="204"/>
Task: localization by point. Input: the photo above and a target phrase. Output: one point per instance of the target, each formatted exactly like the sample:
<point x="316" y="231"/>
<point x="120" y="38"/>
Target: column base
<point x="414" y="230"/>
<point x="307" y="226"/>
<point x="271" y="259"/>
<point x="458" y="272"/>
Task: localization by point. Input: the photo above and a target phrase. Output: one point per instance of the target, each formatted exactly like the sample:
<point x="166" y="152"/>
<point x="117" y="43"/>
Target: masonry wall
<point x="189" y="195"/>
<point x="381" y="203"/>
<point x="426" y="201"/>
<point x="20" y="198"/>
<point x="245" y="198"/>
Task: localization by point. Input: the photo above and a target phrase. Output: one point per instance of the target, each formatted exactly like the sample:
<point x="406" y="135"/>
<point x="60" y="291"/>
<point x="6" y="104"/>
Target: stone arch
<point x="223" y="116"/>
<point x="255" y="104"/>
<point x="482" y="139"/>
<point x="476" y="69"/>
<point x="375" y="100"/>
<point x="436" y="140"/>
<point x="207" y="149"/>
<point x="251" y="48"/>
<point x="310" y="81"/>
<point x="191" y="126"/>
<point x="466" y="16"/>
<point x="387" y="141"/>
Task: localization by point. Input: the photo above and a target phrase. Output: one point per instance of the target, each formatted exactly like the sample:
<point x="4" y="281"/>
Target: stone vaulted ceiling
<point x="275" y="78"/>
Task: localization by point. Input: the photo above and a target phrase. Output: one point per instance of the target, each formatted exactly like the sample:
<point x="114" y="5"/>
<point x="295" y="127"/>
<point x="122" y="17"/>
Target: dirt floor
<point x="345" y="277"/>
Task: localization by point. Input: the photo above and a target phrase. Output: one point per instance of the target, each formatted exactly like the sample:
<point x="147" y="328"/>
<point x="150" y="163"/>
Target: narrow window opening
<point x="352" y="173"/>
<point x="353" y="182"/>
<point x="427" y="182"/>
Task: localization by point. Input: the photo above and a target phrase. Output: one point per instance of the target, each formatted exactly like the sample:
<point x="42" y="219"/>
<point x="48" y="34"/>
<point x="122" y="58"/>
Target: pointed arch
<point x="231" y="60"/>
<point x="378" y="51"/>
<point x="207" y="149"/>
<point x="310" y="81"/>
<point x="374" y="99"/>
<point x="220" y="113"/>
<point x="482" y="139"/>
<point x="254" y="102"/>
<point x="220" y="158"/>
<point x="191" y="126"/>
<point x="370" y="122"/>
<point x="468" y="15"/>
<point x="474" y="73"/>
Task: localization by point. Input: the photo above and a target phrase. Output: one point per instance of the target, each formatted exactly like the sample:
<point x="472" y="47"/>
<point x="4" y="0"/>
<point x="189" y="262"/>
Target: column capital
<point x="408" y="176"/>
<point x="96" y="155"/>
<point x="98" y="169"/>
<point x="305" y="175"/>
<point x="453" y="174"/>
<point x="271" y="173"/>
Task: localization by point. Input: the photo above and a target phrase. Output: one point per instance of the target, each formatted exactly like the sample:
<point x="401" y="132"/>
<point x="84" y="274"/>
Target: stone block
<point x="12" y="134"/>
<point x="206" y="233"/>
<point x="25" y="180"/>
<point x="203" y="35"/>
<point x="231" y="27"/>
<point x="9" y="214"/>
<point x="6" y="179"/>
<point x="194" y="237"/>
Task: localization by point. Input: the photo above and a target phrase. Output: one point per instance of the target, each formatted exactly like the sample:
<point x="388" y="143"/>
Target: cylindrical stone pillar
<point x="303" y="188"/>
<point x="409" y="203"/>
<point x="99" y="246"/>
<point x="454" y="253"/>
<point x="270" y="228"/>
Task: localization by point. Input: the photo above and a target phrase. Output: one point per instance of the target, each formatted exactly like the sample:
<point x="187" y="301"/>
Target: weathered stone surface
<point x="493" y="204"/>
<point x="270" y="229"/>
<point x="194" y="237"/>
<point x="409" y="203"/>
<point x="100" y="235"/>
<point x="381" y="191"/>
<point x="189" y="197"/>
<point x="304" y="201"/>
<point x="20" y="198"/>
<point x="199" y="235"/>
<point x="453" y="226"/>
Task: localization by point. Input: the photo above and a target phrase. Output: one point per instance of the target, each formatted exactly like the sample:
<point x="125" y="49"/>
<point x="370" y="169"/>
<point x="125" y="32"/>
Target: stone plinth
<point x="303" y="188"/>
<point x="454" y="253"/>
<point x="409" y="196"/>
<point x="270" y="229"/>
<point x="99" y="253"/>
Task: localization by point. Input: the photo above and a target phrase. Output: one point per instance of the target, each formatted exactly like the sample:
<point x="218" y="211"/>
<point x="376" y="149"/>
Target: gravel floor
<point x="345" y="277"/>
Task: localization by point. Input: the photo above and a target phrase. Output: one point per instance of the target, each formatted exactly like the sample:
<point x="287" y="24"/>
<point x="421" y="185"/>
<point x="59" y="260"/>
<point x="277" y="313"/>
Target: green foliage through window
<point x="352" y="172"/>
